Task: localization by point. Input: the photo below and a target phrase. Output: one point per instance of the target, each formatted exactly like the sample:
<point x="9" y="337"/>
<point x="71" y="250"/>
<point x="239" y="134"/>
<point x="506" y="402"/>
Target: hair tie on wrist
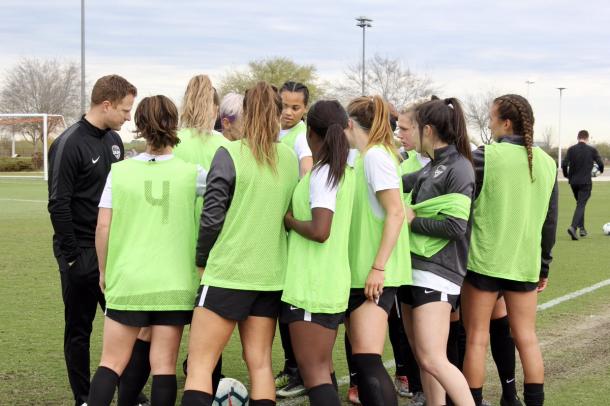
<point x="378" y="269"/>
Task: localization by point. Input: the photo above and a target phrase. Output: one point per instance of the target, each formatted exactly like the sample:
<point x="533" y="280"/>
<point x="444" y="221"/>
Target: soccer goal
<point x="21" y="136"/>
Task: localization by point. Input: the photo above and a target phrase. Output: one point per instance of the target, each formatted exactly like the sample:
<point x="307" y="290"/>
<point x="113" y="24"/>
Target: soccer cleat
<point x="352" y="395"/>
<point x="284" y="376"/>
<point x="513" y="401"/>
<point x="401" y="383"/>
<point x="293" y="388"/>
<point x="142" y="400"/>
<point x="418" y="399"/>
<point x="485" y="402"/>
<point x="572" y="232"/>
<point x="583" y="232"/>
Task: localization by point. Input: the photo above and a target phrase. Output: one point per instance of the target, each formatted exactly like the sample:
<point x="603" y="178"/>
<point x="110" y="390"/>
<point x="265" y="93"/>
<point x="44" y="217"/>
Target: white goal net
<point x="24" y="143"/>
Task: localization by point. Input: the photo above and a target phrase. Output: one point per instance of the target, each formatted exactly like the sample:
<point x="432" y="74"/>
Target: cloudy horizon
<point x="464" y="47"/>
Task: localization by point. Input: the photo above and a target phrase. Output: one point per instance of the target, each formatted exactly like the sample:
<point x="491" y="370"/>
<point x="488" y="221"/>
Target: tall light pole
<point x="529" y="82"/>
<point x="363" y="22"/>
<point x="561" y="89"/>
<point x="82" y="56"/>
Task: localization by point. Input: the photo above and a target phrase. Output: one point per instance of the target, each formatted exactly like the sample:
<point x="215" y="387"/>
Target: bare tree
<point x="476" y="109"/>
<point x="41" y="86"/>
<point x="387" y="78"/>
<point x="546" y="139"/>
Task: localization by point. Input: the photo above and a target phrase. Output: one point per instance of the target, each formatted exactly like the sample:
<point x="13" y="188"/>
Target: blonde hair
<point x="262" y="110"/>
<point x="373" y="115"/>
<point x="199" y="106"/>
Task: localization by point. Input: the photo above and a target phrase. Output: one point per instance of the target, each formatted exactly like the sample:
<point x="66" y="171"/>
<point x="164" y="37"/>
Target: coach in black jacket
<point x="79" y="162"/>
<point x="577" y="166"/>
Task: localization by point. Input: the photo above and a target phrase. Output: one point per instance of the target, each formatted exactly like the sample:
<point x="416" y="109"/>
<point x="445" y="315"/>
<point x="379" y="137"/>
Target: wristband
<point x="378" y="269"/>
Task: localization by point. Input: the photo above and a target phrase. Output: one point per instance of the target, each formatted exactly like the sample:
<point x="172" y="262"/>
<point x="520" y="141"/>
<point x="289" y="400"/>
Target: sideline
<point x="24" y="200"/>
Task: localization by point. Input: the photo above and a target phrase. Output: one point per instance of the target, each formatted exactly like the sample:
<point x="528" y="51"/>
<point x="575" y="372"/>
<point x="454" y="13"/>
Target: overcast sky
<point x="464" y="46"/>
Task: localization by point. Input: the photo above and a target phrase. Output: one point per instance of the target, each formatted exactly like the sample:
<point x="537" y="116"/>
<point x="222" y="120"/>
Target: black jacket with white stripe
<point x="79" y="162"/>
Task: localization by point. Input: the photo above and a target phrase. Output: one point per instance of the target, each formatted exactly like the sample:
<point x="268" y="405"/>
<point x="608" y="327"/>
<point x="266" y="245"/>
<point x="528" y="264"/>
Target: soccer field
<point x="575" y="334"/>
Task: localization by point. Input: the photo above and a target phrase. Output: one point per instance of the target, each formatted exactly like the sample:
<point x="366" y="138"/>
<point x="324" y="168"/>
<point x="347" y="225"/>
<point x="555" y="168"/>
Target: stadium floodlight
<point x="363" y="22"/>
<point x="28" y="118"/>
<point x="561" y="89"/>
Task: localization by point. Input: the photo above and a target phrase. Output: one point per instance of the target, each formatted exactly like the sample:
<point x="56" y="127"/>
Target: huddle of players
<point x="356" y="234"/>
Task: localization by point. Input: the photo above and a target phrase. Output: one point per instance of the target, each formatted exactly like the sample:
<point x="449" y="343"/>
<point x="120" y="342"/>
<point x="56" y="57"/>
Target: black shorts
<point x="357" y="298"/>
<point x="290" y="314"/>
<point x="238" y="305"/>
<point x="493" y="284"/>
<point x="415" y="296"/>
<point x="137" y="318"/>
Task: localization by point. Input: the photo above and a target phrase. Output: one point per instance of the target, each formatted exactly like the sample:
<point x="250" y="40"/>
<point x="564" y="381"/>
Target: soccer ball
<point x="231" y="392"/>
<point x="595" y="170"/>
<point x="606" y="228"/>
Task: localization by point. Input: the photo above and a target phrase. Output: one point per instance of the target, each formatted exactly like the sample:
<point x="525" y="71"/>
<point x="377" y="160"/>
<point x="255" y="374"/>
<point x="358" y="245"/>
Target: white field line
<point x="390" y="363"/>
<point x="23" y="200"/>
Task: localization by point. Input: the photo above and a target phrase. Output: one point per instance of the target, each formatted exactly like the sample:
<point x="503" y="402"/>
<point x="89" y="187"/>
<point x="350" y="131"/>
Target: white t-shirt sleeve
<point x="202" y="176"/>
<point x="106" y="199"/>
<point x="380" y="170"/>
<point x="322" y="195"/>
<point x="301" y="148"/>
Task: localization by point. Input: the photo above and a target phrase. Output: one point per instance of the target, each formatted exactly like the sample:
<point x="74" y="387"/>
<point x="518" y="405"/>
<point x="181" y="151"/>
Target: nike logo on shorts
<point x="94" y="161"/>
<point x="427" y="292"/>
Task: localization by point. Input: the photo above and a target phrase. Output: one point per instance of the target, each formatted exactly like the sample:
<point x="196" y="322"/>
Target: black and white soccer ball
<point x="595" y="170"/>
<point x="606" y="228"/>
<point x="231" y="392"/>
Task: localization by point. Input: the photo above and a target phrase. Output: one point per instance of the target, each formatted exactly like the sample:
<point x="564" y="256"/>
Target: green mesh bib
<point x="510" y="212"/>
<point x="151" y="248"/>
<point x="365" y="236"/>
<point x="291" y="137"/>
<point x="251" y="250"/>
<point x="452" y="204"/>
<point x="318" y="274"/>
<point x="199" y="149"/>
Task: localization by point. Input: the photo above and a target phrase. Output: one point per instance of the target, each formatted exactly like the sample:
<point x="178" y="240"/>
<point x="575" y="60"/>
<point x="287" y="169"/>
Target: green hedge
<point x="16" y="164"/>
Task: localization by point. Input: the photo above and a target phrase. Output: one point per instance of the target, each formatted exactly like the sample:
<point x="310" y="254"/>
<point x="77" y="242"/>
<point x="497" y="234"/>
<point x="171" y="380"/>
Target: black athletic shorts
<point x="357" y="298"/>
<point x="236" y="304"/>
<point x="290" y="314"/>
<point x="415" y="296"/>
<point x="136" y="318"/>
<point x="493" y="284"/>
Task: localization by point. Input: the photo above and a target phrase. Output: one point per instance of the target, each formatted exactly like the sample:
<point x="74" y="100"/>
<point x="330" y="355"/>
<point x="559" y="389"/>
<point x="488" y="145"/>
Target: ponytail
<point x="373" y="115"/>
<point x="462" y="142"/>
<point x="447" y="118"/>
<point x="333" y="152"/>
<point x="328" y="120"/>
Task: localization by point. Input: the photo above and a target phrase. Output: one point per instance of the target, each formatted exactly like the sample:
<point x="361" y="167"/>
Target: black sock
<point x="164" y="389"/>
<point x="533" y="394"/>
<point x="453" y="353"/>
<point x="102" y="388"/>
<point x="477" y="395"/>
<point x="353" y="375"/>
<point x="323" y="395"/>
<point x="375" y="388"/>
<point x="217" y="375"/>
<point x="333" y="378"/>
<point x="135" y="375"/>
<point x="196" y="398"/>
<point x="289" y="359"/>
<point x="503" y="353"/>
<point x="261" y="402"/>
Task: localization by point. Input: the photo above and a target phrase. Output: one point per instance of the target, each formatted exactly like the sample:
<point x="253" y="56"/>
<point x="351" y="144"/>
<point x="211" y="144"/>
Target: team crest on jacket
<point x="116" y="151"/>
<point x="439" y="170"/>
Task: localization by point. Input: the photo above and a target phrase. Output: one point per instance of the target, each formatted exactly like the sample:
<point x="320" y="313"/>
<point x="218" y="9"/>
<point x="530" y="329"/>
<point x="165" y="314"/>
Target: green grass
<point x="32" y="369"/>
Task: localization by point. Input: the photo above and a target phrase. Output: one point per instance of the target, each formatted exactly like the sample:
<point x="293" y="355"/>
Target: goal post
<point x="17" y="119"/>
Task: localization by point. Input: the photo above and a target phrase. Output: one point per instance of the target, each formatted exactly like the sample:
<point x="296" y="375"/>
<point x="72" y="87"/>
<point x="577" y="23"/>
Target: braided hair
<point x="518" y="110"/>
